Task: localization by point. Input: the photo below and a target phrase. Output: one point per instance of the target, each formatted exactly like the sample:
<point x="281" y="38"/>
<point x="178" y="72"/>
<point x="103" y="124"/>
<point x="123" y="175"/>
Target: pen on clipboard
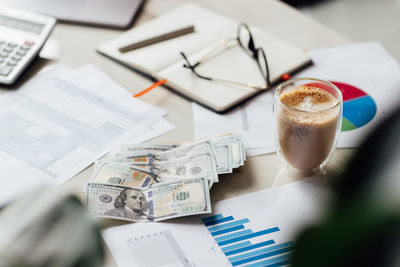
<point x="157" y="39"/>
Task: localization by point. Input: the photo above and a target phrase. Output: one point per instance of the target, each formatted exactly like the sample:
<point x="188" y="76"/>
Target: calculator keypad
<point x="5" y="70"/>
<point x="11" y="54"/>
<point x="22" y="35"/>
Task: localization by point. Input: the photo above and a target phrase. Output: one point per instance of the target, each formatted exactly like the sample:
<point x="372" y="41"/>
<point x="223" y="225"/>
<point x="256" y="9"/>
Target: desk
<point x="78" y="44"/>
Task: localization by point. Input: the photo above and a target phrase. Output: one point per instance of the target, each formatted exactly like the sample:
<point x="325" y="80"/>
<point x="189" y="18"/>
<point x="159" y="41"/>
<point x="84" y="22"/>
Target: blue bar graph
<point x="236" y="246"/>
<point x="277" y="261"/>
<point x="227" y="225"/>
<point x="261" y="251"/>
<point x="235" y="240"/>
<point x="227" y="230"/>
<point x="211" y="218"/>
<point x="281" y="263"/>
<point x="250" y="247"/>
<point x="262" y="256"/>
<point x="244" y="237"/>
<point x="236" y="234"/>
<point x="218" y="221"/>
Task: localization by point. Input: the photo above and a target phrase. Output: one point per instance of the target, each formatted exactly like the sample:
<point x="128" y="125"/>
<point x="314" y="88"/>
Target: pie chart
<point x="359" y="108"/>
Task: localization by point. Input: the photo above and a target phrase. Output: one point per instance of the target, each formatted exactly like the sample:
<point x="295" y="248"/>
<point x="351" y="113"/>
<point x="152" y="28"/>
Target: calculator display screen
<point x="19" y="24"/>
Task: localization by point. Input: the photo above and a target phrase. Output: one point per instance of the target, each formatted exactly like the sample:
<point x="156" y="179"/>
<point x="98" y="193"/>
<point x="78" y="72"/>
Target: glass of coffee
<point x="308" y="118"/>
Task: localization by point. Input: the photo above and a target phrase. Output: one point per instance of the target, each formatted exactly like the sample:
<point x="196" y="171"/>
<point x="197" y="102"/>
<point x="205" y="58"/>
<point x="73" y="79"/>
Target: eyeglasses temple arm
<point x="188" y="65"/>
<point x="257" y="87"/>
<point x="219" y="48"/>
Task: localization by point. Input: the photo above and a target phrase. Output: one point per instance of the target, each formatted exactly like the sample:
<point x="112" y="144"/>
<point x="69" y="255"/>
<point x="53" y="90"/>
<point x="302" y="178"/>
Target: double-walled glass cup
<point x="308" y="119"/>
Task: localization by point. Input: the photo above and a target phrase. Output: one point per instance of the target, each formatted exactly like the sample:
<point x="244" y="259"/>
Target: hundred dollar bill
<point x="225" y="155"/>
<point x="136" y="153"/>
<point x="237" y="148"/>
<point x="190" y="149"/>
<point x="137" y="160"/>
<point x="155" y="203"/>
<point x="140" y="160"/>
<point x="144" y="157"/>
<point x="190" y="166"/>
<point x="141" y="176"/>
<point x="122" y="174"/>
<point x="179" y="198"/>
<point x="146" y="148"/>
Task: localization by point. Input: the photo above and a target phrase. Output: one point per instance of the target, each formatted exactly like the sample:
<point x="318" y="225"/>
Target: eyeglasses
<point x="245" y="40"/>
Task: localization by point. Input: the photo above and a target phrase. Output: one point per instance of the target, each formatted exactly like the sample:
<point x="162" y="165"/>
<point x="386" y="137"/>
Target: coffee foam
<point x="308" y="98"/>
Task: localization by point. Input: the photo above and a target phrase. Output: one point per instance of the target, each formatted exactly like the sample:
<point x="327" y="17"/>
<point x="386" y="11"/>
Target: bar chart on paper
<point x="253" y="230"/>
<point x="246" y="247"/>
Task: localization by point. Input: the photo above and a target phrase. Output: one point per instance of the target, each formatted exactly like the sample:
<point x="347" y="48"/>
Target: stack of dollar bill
<point x="145" y="182"/>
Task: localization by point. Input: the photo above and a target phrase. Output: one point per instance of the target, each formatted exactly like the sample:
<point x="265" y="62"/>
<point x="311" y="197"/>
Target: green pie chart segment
<point x="347" y="126"/>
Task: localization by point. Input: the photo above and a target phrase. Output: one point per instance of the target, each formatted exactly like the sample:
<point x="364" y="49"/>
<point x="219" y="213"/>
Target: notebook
<point x="163" y="60"/>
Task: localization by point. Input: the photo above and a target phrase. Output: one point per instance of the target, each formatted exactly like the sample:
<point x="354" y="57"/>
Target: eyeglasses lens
<point x="262" y="62"/>
<point x="245" y="39"/>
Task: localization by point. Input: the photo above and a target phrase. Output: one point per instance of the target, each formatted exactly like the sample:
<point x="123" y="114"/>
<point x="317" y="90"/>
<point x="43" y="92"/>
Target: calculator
<point x="22" y="35"/>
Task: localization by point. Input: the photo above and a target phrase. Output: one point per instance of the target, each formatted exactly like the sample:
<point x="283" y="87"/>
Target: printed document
<point x="60" y="122"/>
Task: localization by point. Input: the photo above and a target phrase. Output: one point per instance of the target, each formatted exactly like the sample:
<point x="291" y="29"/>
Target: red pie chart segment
<point x="349" y="91"/>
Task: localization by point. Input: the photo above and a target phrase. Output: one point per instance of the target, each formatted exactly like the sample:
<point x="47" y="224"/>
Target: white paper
<point x="51" y="50"/>
<point x="154" y="130"/>
<point x="254" y="120"/>
<point x="188" y="242"/>
<point x="60" y="122"/>
<point x="366" y="66"/>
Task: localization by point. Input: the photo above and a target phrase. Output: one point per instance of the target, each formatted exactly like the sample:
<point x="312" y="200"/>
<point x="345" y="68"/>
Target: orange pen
<point x="154" y="85"/>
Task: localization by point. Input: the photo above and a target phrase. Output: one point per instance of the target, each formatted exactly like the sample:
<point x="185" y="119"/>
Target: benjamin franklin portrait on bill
<point x="130" y="204"/>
